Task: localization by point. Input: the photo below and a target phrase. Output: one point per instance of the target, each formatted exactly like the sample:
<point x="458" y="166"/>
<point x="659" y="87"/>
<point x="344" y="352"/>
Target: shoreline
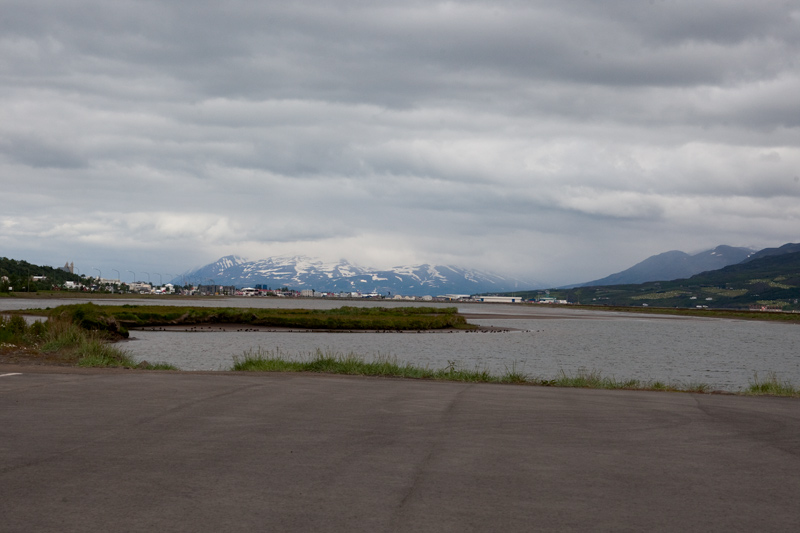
<point x="11" y="369"/>
<point x="210" y="327"/>
<point x="529" y="310"/>
<point x="332" y="364"/>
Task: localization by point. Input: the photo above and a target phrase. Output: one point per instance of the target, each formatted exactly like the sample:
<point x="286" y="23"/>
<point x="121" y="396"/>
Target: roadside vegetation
<point x="772" y="386"/>
<point x="64" y="341"/>
<point x="353" y="364"/>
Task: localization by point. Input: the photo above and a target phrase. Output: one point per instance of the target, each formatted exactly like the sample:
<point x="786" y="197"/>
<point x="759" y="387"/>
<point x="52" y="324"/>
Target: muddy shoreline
<point x="250" y="328"/>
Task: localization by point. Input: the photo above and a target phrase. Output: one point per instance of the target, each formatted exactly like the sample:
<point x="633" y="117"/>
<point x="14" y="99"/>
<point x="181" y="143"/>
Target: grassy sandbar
<point x="118" y="318"/>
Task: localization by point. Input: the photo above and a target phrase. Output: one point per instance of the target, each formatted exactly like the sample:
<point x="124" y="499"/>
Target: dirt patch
<point x="24" y="355"/>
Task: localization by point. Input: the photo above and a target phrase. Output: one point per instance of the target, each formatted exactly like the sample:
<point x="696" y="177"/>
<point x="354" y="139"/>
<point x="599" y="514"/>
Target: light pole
<point x="160" y="279"/>
<point x="119" y="280"/>
<point x="134" y="276"/>
<point x="99" y="276"/>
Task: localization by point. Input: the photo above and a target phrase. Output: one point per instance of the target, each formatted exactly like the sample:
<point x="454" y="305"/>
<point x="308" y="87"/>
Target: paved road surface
<point x="158" y="451"/>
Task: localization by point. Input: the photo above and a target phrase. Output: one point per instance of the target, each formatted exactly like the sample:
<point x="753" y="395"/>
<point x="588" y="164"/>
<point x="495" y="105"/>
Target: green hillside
<point x="18" y="275"/>
<point x="771" y="282"/>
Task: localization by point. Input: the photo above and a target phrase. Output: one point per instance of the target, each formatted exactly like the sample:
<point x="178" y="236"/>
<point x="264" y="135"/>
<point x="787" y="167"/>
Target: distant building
<point x="69" y="267"/>
<point x="141" y="287"/>
<point x="499" y="299"/>
<point x="218" y="290"/>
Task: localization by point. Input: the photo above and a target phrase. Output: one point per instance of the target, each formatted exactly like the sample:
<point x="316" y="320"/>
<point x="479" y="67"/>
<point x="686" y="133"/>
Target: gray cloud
<point x="523" y="137"/>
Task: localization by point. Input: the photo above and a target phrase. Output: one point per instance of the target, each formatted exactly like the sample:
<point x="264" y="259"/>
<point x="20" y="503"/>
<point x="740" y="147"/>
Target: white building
<point x="141" y="287"/>
<point x="499" y="299"/>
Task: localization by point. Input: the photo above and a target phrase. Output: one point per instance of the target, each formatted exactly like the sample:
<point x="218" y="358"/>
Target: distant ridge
<point x="767" y="252"/>
<point x="303" y="272"/>
<point x="674" y="265"/>
<point x="770" y="282"/>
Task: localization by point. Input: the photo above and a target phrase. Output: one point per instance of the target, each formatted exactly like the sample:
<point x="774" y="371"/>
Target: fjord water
<point x="542" y="341"/>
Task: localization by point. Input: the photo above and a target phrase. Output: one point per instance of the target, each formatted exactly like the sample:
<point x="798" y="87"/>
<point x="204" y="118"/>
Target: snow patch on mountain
<point x="303" y="272"/>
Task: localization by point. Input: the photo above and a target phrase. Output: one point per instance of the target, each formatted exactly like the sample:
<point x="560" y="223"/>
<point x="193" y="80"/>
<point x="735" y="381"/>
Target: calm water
<point x="723" y="353"/>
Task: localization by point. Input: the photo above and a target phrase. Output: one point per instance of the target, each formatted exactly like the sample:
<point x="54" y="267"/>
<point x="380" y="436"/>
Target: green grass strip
<point x="262" y="360"/>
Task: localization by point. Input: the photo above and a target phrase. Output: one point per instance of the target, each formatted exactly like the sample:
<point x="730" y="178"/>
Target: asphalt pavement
<point x="182" y="451"/>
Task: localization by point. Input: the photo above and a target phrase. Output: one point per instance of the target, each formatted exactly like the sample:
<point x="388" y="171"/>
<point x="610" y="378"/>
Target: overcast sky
<point x="557" y="141"/>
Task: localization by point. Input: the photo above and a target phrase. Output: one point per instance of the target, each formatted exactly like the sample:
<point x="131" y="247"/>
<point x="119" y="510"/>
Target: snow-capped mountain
<point x="301" y="272"/>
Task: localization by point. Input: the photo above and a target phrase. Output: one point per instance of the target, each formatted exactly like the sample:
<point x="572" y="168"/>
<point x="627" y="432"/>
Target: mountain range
<point x="302" y="272"/>
<point x="769" y="281"/>
<point x="676" y="265"/>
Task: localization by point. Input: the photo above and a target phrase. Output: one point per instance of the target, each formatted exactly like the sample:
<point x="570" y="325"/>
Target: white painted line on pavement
<point x="11" y="374"/>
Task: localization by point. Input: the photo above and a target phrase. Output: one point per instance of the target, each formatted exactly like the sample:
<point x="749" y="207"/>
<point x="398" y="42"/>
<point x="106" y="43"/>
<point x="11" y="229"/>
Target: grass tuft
<point x="772" y="386"/>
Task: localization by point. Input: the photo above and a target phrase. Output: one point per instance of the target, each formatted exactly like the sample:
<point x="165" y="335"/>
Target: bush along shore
<point x="353" y="364"/>
<point x="60" y="341"/>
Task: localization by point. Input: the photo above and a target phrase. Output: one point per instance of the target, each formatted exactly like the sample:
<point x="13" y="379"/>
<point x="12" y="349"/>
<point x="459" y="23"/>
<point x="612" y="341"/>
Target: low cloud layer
<point x="555" y="142"/>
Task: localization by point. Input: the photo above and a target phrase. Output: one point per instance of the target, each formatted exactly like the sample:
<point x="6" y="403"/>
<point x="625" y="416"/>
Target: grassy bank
<point x="60" y="341"/>
<point x="117" y="318"/>
<point x="353" y="364"/>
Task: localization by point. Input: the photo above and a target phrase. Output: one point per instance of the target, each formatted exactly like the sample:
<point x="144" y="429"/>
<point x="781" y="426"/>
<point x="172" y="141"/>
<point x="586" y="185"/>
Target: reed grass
<point x="772" y="386"/>
<point x="68" y="342"/>
<point x="330" y="362"/>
